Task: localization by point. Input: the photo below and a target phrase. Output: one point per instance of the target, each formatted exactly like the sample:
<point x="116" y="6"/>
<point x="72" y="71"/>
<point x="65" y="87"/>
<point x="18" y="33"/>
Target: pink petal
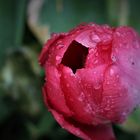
<point x="86" y="132"/>
<point x="92" y="87"/>
<point x="53" y="91"/>
<point x="49" y="46"/>
<point x="74" y="96"/>
<point x="116" y="103"/>
<point x="126" y="49"/>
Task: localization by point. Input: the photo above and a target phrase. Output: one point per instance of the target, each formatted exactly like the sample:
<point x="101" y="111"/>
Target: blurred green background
<point x="24" y="27"/>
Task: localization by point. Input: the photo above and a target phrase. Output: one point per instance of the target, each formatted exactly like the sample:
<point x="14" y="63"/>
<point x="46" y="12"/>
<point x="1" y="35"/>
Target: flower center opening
<point x="75" y="56"/>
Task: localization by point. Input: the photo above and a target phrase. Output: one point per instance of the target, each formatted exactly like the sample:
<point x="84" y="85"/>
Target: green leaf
<point x="62" y="15"/>
<point x="4" y="108"/>
<point x="46" y="124"/>
<point x="132" y="124"/>
<point x="134" y="14"/>
<point x="12" y="13"/>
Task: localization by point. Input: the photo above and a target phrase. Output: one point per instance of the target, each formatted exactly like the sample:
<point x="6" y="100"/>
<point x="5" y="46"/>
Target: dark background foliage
<point x="24" y="27"/>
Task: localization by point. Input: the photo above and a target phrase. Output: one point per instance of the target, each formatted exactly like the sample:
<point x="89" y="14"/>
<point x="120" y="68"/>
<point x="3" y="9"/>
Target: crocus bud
<point x="92" y="78"/>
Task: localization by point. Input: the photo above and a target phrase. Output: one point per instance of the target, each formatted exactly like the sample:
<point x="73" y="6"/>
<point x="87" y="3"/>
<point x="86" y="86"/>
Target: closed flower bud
<point x="92" y="78"/>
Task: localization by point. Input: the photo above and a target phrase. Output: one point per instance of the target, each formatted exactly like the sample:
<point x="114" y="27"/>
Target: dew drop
<point x="81" y="97"/>
<point x="67" y="85"/>
<point x="91" y="50"/>
<point x="107" y="108"/>
<point x="97" y="85"/>
<point x="59" y="42"/>
<point x="58" y="58"/>
<point x="120" y="94"/>
<point x="95" y="72"/>
<point x="95" y="38"/>
<point x="115" y="84"/>
<point x="53" y="34"/>
<point x="78" y="133"/>
<point x="111" y="72"/>
<point x="113" y="58"/>
<point x="96" y="61"/>
<point x="124" y="114"/>
<point x="118" y="34"/>
<point x="96" y="54"/>
<point x="91" y="24"/>
<point x="77" y="31"/>
<point x="60" y="46"/>
<point x="72" y="74"/>
<point x="107" y="82"/>
<point x="79" y="82"/>
<point x="88" y="108"/>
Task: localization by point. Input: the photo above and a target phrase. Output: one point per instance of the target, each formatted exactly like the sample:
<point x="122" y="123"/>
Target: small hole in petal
<point x="75" y="56"/>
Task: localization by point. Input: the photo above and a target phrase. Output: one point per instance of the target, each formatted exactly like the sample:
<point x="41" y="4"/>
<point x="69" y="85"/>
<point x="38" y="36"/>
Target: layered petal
<point x="54" y="93"/>
<point x="86" y="132"/>
<point x="74" y="96"/>
<point x="92" y="78"/>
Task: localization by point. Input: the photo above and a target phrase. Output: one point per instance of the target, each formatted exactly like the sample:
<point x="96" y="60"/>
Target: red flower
<point x="92" y="78"/>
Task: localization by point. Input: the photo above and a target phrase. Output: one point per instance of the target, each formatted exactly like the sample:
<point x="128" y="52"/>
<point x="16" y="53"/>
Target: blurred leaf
<point x="12" y="15"/>
<point x="62" y="15"/>
<point x="5" y="109"/>
<point x="46" y="124"/>
<point x="118" y="12"/>
<point x="40" y="31"/>
<point x="23" y="86"/>
<point x="134" y="14"/>
<point x="43" y="127"/>
<point x="132" y="124"/>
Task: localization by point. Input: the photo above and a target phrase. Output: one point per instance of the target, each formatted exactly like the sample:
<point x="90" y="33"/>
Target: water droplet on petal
<point x="115" y="85"/>
<point x="107" y="108"/>
<point x="107" y="82"/>
<point x="88" y="108"/>
<point x="118" y="34"/>
<point x="111" y="72"/>
<point x="113" y="57"/>
<point x="78" y="133"/>
<point x="91" y="24"/>
<point x="60" y="46"/>
<point x="81" y="97"/>
<point x="96" y="54"/>
<point x="97" y="85"/>
<point x="58" y="58"/>
<point x="96" y="61"/>
<point x="95" y="38"/>
<point x="79" y="81"/>
<point x="91" y="50"/>
<point x="67" y="85"/>
<point x="72" y="74"/>
<point x="53" y="34"/>
<point x="95" y="72"/>
<point x="124" y="114"/>
<point x="120" y="94"/>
